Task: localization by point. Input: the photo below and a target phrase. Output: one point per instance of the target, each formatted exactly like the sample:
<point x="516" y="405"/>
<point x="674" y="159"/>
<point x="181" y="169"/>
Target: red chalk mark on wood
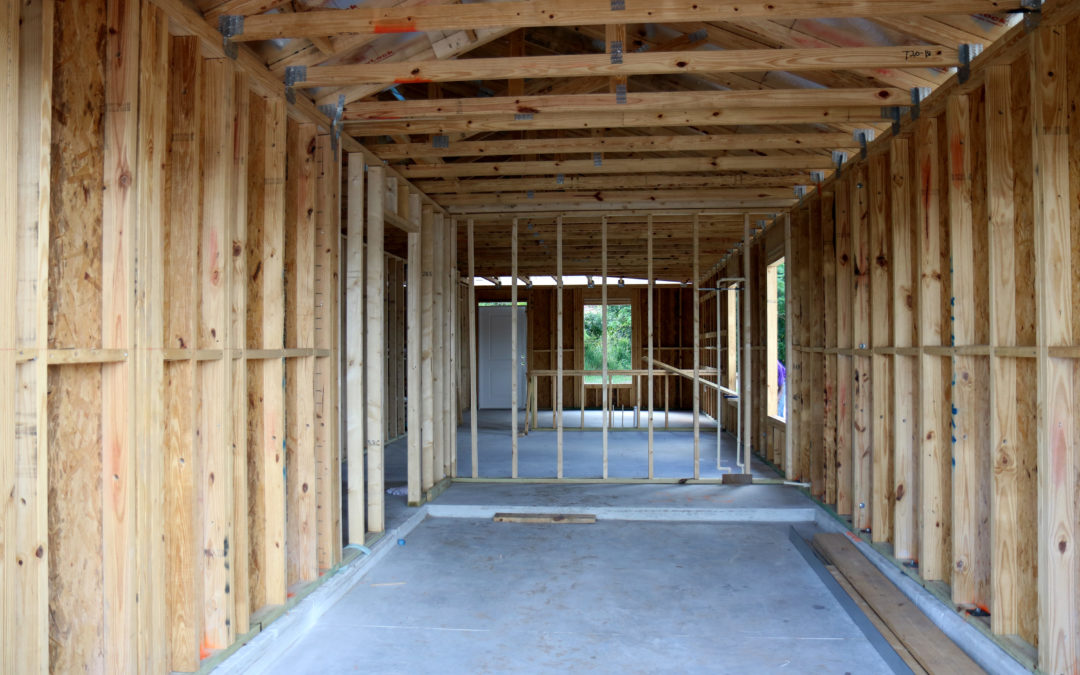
<point x="411" y="80"/>
<point x="406" y="26"/>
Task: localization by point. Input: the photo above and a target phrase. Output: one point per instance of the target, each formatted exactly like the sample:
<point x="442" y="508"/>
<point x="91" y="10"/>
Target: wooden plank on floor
<point x="572" y="518"/>
<point x="878" y="622"/>
<point x="931" y="648"/>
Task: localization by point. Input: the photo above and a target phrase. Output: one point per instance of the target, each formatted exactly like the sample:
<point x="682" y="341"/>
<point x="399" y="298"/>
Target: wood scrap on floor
<point x="572" y="518"/>
<point x="923" y="640"/>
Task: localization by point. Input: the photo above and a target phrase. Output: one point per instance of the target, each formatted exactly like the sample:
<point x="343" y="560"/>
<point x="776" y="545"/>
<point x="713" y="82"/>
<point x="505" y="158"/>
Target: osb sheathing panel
<point x="77" y="175"/>
<point x="76" y="622"/>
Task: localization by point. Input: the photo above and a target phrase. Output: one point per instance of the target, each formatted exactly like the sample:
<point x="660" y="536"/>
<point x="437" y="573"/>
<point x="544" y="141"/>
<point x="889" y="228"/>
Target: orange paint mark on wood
<point x="406" y="26"/>
<point x="411" y="80"/>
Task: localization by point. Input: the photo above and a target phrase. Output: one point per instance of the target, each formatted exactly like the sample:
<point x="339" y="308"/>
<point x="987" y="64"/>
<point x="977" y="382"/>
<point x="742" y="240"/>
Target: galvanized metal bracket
<point x="1032" y="11"/>
<point x="522" y="117"/>
<point x="293" y="74"/>
<point x="800" y="191"/>
<point x="620" y="94"/>
<point x="863" y="136"/>
<point x="918" y="95"/>
<point x="440" y="141"/>
<point x="560" y="179"/>
<point x="893" y="113"/>
<point x="597" y="159"/>
<point x="818" y="177"/>
<point x="967" y="52"/>
<point x="616" y="51"/>
<point x="230" y="25"/>
<point x="335" y="113"/>
<point x="838" y="158"/>
<point x="618" y="5"/>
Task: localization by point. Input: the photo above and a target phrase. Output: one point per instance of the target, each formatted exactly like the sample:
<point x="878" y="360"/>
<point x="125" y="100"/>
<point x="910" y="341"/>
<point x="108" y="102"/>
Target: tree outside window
<point x="619" y="341"/>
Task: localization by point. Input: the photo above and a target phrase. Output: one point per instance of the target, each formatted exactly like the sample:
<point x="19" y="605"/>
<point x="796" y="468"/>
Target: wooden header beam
<point x="633" y="63"/>
<point x="588" y="166"/>
<point x="480" y="15"/>
<point x="611" y="117"/>
<point x="548" y="146"/>
<point x="633" y="102"/>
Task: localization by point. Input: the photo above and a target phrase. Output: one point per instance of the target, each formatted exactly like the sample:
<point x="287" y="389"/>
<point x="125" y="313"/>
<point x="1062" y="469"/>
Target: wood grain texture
<point x="579" y="12"/>
<point x="354" y="348"/>
<point x="905" y="368"/>
<point x="618" y="119"/>
<point x="375" y="344"/>
<point x="658" y="63"/>
<point x="1057" y="562"/>
<point x="214" y="378"/>
<point x="844" y="461"/>
<point x="183" y="502"/>
<point x="151" y="617"/>
<point x="934" y="470"/>
<point x="970" y="474"/>
<point x="497" y="148"/>
<point x="881" y="328"/>
<point x="28" y="35"/>
<point x="861" y="376"/>
<point x="300" y="487"/>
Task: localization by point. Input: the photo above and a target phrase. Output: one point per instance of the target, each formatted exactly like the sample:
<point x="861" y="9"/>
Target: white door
<point x="496" y="359"/>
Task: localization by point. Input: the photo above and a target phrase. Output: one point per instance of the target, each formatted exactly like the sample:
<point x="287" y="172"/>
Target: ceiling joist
<point x="630" y="103"/>
<point x="645" y="63"/>
<point x="635" y="165"/>
<point x="524" y="14"/>
<point x="610" y="182"/>
<point x="612" y="118"/>
<point x="684" y="143"/>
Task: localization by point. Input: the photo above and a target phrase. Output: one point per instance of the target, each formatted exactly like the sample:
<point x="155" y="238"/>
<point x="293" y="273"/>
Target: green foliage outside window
<point x="619" y="334"/>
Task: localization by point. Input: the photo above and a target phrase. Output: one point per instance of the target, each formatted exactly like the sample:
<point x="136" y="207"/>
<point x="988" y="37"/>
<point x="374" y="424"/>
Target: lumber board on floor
<point x="931" y="648"/>
<point x="878" y="622"/>
<point x="574" y="518"/>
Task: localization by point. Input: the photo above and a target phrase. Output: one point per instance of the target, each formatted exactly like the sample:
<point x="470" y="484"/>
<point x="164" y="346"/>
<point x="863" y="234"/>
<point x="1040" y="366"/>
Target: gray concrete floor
<point x="472" y="596"/>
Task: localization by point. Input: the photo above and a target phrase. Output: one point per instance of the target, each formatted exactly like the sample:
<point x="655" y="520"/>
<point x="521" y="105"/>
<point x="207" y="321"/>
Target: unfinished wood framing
<point x="970" y="266"/>
<point x="219" y="299"/>
<point x="375" y="345"/>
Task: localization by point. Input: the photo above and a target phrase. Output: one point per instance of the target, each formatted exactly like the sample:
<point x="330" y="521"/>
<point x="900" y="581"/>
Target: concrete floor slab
<point x="476" y="596"/>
